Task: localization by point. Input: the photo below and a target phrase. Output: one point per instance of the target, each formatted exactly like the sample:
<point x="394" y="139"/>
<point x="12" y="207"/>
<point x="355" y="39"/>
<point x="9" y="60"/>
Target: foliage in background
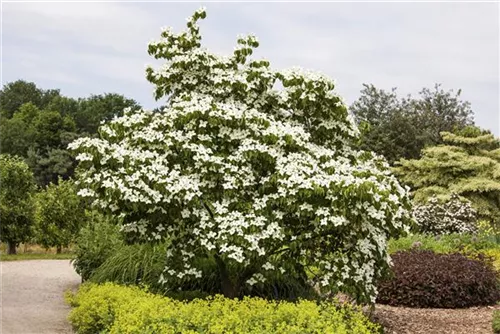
<point x="14" y="94"/>
<point x="425" y="279"/>
<point x="117" y="309"/>
<point x="256" y="179"/>
<point x="60" y="214"/>
<point x="468" y="164"/>
<point x="38" y="124"/>
<point x="16" y="201"/>
<point x="401" y="127"/>
<point x="95" y="109"/>
<point x="484" y="244"/>
<point x="450" y="243"/>
<point x="453" y="216"/>
<point x="96" y="241"/>
<point x="40" y="137"/>
<point x="489" y="255"/>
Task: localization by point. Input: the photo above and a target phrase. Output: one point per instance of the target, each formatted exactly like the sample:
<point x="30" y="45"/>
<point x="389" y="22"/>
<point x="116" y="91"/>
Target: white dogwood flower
<point x="235" y="169"/>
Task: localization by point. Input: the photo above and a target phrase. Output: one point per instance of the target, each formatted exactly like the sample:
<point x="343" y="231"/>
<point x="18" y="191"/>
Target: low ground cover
<point x="113" y="308"/>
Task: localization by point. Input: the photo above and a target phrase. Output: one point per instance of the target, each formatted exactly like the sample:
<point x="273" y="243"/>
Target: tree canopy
<point x="401" y="127"/>
<point x="38" y="124"/>
<point x="97" y="108"/>
<point x="261" y="180"/>
<point x="14" y="94"/>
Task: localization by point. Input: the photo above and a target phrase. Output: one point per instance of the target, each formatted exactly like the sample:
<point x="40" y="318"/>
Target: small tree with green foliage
<point x="468" y="164"/>
<point x="17" y="187"/>
<point x="59" y="216"/>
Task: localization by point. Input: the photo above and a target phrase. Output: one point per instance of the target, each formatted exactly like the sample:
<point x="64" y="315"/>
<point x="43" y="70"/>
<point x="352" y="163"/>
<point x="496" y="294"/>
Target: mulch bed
<point x="404" y="320"/>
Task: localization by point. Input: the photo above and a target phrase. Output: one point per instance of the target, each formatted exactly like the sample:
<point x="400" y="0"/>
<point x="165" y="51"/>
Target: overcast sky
<point x="92" y="48"/>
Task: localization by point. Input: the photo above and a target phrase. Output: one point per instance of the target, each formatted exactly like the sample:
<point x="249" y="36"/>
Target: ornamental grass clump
<point x="263" y="181"/>
<point x="142" y="264"/>
<point x="423" y="278"/>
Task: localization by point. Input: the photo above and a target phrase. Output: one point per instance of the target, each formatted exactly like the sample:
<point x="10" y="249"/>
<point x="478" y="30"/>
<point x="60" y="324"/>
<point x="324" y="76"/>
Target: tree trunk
<point x="230" y="289"/>
<point x="59" y="249"/>
<point x="12" y="248"/>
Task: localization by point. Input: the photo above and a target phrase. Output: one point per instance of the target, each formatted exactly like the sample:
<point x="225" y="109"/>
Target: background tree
<point x="51" y="165"/>
<point x="441" y="111"/>
<point x="66" y="106"/>
<point x="41" y="138"/>
<point x="60" y="214"/>
<point x="38" y="124"/>
<point x="14" y="94"/>
<point x="258" y="180"/>
<point x="91" y="111"/>
<point x="16" y="201"/>
<point x="17" y="134"/>
<point x="401" y="127"/>
<point x="467" y="164"/>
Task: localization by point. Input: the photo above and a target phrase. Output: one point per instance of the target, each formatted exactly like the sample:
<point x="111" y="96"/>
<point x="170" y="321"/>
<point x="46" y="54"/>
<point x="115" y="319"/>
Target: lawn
<point x="34" y="252"/>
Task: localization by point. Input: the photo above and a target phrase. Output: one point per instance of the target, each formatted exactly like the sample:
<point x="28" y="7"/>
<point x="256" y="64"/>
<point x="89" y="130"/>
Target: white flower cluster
<point x="455" y="215"/>
<point x="222" y="171"/>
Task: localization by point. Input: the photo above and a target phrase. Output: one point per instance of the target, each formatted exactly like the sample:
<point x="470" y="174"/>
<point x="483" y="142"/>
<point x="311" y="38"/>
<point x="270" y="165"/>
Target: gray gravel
<point x="32" y="296"/>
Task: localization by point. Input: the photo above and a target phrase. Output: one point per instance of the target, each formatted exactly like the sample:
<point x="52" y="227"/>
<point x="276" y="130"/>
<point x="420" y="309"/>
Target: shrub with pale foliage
<point x="259" y="178"/>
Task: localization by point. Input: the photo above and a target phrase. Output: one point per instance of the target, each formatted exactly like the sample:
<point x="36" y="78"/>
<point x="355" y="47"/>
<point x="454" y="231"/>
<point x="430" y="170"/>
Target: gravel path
<point x="31" y="302"/>
<point x="32" y="296"/>
<point x="405" y="320"/>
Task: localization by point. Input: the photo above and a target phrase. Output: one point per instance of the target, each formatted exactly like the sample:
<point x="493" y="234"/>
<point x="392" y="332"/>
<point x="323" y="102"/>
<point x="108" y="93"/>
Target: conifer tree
<point x="468" y="164"/>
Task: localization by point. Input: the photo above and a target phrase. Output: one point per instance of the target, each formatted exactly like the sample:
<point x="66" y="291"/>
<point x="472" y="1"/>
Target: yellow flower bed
<point x="116" y="309"/>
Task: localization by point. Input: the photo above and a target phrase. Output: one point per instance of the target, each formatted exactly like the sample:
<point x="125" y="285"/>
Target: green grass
<point x="496" y="322"/>
<point x="35" y="256"/>
<point x="35" y="252"/>
<point x="444" y="244"/>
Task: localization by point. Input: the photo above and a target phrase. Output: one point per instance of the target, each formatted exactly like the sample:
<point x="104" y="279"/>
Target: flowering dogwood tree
<point x="250" y="175"/>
